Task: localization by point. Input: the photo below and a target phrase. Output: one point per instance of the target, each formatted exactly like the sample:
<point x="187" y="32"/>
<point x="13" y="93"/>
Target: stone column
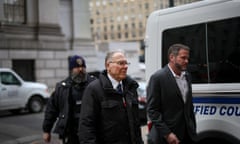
<point x="81" y="17"/>
<point x="48" y="11"/>
<point x="1" y="11"/>
<point x="49" y="30"/>
<point x="82" y="41"/>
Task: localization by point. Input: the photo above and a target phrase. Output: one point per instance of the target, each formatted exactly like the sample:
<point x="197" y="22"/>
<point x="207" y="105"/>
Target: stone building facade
<point x="38" y="36"/>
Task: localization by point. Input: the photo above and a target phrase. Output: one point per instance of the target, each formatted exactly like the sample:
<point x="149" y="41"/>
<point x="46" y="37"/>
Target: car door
<point x="9" y="90"/>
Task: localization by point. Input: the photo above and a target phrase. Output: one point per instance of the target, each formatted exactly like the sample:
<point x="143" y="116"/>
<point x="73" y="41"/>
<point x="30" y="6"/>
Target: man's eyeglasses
<point x="121" y="63"/>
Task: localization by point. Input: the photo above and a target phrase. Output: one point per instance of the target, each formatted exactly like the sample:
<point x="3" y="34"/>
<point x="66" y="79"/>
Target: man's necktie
<point x="119" y="88"/>
<point x="120" y="91"/>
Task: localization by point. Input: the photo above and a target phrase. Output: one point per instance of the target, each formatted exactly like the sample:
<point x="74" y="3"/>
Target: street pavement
<point x="37" y="139"/>
<point x="34" y="139"/>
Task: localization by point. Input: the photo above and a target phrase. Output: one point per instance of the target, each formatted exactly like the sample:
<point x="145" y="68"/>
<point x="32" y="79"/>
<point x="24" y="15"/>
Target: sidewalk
<point x="35" y="139"/>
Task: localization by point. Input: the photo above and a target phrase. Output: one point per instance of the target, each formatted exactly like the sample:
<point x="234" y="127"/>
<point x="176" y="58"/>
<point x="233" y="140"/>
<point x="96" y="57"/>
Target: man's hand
<point x="172" y="139"/>
<point x="47" y="137"/>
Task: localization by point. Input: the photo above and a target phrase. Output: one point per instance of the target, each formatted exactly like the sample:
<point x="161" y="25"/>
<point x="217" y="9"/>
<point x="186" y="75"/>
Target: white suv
<point x="17" y="94"/>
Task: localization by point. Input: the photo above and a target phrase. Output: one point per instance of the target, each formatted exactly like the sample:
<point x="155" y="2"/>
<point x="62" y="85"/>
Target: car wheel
<point x="35" y="105"/>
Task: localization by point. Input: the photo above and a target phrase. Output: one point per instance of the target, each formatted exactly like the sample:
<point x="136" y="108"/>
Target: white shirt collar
<point x="176" y="76"/>
<point x="113" y="81"/>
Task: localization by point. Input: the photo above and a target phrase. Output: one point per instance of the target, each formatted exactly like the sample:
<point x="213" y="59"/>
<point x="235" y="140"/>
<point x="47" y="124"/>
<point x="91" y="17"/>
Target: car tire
<point x="35" y="105"/>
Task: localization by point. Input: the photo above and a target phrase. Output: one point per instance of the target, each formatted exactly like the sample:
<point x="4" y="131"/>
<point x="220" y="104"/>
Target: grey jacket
<point x="166" y="108"/>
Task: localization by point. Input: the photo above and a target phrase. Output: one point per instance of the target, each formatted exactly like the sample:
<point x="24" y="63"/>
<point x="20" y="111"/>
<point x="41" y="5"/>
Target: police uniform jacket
<point x="57" y="109"/>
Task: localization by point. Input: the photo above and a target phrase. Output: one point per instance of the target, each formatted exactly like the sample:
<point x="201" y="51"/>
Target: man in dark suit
<point x="169" y="97"/>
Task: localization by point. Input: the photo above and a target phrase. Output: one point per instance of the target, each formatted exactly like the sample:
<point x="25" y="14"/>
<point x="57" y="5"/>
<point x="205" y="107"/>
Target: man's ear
<point x="106" y="65"/>
<point x="171" y="56"/>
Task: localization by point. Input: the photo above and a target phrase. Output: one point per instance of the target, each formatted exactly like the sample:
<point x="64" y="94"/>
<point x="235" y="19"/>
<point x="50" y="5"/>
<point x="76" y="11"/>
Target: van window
<point x="215" y="50"/>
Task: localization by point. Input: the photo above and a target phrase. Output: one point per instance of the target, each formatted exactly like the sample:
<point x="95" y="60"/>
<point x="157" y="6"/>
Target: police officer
<point x="64" y="106"/>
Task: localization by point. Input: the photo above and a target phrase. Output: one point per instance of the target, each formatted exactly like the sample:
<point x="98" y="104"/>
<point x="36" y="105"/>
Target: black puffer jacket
<point x="57" y="109"/>
<point x="104" y="119"/>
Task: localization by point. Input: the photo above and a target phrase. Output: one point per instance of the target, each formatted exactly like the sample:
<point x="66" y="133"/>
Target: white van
<point x="211" y="28"/>
<point x="17" y="94"/>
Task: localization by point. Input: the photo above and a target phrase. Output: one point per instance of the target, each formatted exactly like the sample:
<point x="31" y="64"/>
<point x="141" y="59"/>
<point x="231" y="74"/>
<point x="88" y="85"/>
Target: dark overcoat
<point x="104" y="118"/>
<point x="57" y="109"/>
